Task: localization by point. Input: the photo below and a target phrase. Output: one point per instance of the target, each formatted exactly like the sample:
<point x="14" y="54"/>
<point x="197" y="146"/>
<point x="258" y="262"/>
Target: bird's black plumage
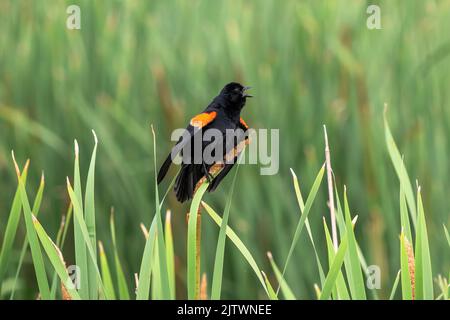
<point x="223" y="114"/>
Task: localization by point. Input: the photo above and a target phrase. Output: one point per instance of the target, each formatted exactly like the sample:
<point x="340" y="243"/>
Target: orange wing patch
<point x="243" y="123"/>
<point x="203" y="119"/>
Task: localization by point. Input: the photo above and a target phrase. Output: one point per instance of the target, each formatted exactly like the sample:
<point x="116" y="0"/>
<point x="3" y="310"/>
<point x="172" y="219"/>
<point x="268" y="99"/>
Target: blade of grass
<point x="80" y="247"/>
<point x="36" y="253"/>
<point x="55" y="257"/>
<point x="11" y="226"/>
<point x="238" y="243"/>
<point x="106" y="274"/>
<point x="60" y="233"/>
<point x="308" y="228"/>
<point x="67" y="220"/>
<point x="220" y="250"/>
<point x="78" y="214"/>
<point x="304" y="216"/>
<point x="120" y="277"/>
<point x="340" y="291"/>
<point x="423" y="272"/>
<point x="330" y="190"/>
<point x="339" y="213"/>
<point x="400" y="169"/>
<point x="317" y="291"/>
<point x="156" y="289"/>
<point x="272" y="294"/>
<point x="404" y="219"/>
<point x="60" y="239"/>
<point x="330" y="280"/>
<point x="144" y="278"/>
<point x="285" y="289"/>
<point x="36" y="207"/>
<point x="443" y="287"/>
<point x="366" y="270"/>
<point x="342" y="231"/>
<point x="89" y="216"/>
<point x="446" y="234"/>
<point x="169" y="188"/>
<point x="357" y="289"/>
<point x="161" y="242"/>
<point x="439" y="297"/>
<point x="145" y="272"/>
<point x="394" y="287"/>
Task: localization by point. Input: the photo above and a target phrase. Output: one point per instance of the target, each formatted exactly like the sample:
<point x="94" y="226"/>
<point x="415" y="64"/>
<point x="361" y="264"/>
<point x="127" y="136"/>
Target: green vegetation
<point x="310" y="63"/>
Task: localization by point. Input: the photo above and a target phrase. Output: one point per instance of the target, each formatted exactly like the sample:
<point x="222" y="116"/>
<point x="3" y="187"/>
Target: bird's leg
<point x="208" y="175"/>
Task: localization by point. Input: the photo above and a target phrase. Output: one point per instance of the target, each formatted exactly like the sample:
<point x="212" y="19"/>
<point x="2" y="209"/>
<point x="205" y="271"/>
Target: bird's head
<point x="235" y="94"/>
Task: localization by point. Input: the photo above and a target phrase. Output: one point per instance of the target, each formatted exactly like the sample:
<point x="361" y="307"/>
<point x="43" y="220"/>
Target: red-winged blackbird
<point x="224" y="115"/>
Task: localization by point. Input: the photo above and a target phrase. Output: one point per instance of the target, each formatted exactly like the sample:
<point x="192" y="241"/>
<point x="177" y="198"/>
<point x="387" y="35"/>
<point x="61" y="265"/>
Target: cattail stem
<point x="330" y="191"/>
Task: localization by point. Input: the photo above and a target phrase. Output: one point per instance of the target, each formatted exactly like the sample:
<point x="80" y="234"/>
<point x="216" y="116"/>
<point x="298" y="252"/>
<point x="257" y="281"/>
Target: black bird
<point x="224" y="115"/>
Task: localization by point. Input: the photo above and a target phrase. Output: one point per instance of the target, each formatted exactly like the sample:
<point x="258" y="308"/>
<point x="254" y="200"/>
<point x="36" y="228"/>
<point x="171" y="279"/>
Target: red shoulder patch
<point x="202" y="119"/>
<point x="243" y="123"/>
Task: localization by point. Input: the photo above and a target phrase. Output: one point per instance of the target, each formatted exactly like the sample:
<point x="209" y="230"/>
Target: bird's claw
<point x="208" y="175"/>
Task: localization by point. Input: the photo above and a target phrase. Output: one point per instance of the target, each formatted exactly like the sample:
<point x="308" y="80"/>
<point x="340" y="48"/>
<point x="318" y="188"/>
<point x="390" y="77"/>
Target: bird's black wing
<point x="198" y="122"/>
<point x="233" y="154"/>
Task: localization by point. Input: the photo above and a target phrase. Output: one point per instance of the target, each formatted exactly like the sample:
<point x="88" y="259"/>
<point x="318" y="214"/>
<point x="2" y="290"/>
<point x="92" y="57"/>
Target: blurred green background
<point x="310" y="63"/>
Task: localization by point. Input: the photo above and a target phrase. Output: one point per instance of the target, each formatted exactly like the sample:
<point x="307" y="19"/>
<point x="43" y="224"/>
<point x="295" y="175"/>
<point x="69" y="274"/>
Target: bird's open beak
<point x="246" y="95"/>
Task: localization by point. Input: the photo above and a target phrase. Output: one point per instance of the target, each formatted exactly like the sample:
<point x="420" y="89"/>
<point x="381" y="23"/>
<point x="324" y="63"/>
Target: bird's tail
<point x="164" y="168"/>
<point x="187" y="179"/>
<point x="184" y="184"/>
